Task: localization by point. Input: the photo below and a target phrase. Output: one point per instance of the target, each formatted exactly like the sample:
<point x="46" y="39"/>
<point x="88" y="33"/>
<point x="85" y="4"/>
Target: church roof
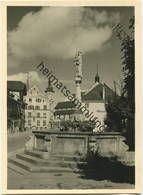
<point x="96" y="93"/>
<point x="93" y="94"/>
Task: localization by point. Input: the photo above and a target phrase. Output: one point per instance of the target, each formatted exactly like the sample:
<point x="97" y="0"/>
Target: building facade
<point x="39" y="111"/>
<point x="15" y="106"/>
<point x="94" y="99"/>
<point x="65" y="111"/>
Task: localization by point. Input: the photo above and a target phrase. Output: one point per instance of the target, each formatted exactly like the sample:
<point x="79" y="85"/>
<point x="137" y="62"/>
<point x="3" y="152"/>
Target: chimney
<point x="103" y="92"/>
<point x="97" y="78"/>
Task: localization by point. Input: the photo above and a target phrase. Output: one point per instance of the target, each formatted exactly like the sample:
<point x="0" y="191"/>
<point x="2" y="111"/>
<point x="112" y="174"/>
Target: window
<point x="44" y="115"/>
<point x="58" y="117"/>
<point x="29" y="114"/>
<point x="31" y="107"/>
<point x="44" y="123"/>
<point x="45" y="107"/>
<point x="30" y="100"/>
<point x="38" y="100"/>
<point x="38" y="114"/>
<point x="29" y="122"/>
<point x="38" y="122"/>
<point x="37" y="107"/>
<point x="87" y="105"/>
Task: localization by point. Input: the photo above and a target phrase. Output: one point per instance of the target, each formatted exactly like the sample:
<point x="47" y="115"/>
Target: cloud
<point x="34" y="77"/>
<point x="59" y="32"/>
<point x="40" y="82"/>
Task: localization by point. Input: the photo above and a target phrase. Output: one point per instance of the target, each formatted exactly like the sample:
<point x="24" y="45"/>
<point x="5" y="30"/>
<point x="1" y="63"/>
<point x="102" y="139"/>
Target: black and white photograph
<point x="71" y="109"/>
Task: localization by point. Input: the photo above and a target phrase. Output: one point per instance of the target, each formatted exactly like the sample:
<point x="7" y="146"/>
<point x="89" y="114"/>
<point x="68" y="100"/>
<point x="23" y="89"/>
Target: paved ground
<point x="17" y="141"/>
<point x="52" y="180"/>
<point x="59" y="181"/>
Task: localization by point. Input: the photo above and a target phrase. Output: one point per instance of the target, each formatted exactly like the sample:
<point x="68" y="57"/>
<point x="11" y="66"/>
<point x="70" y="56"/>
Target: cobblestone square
<point x="59" y="181"/>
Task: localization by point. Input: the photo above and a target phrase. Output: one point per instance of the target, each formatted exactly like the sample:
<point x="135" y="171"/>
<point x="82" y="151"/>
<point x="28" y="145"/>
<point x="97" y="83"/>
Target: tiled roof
<point x="57" y="112"/>
<point x="17" y="86"/>
<point x="60" y="112"/>
<point x="67" y="104"/>
<point x="96" y="93"/>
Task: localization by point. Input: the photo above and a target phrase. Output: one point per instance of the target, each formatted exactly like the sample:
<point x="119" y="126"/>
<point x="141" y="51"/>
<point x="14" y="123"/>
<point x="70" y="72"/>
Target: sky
<point x="55" y="34"/>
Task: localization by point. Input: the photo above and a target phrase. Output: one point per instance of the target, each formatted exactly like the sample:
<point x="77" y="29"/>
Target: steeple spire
<point x="97" y="78"/>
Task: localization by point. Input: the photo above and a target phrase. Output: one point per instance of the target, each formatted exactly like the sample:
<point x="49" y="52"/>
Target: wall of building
<point x="98" y="109"/>
<point x="38" y="110"/>
<point x="15" y="114"/>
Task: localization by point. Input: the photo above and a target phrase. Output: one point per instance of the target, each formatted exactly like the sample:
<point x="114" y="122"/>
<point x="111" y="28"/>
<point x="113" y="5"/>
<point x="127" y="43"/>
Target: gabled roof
<point x="17" y="86"/>
<point x="34" y="91"/>
<point x="96" y="93"/>
<point x="67" y="104"/>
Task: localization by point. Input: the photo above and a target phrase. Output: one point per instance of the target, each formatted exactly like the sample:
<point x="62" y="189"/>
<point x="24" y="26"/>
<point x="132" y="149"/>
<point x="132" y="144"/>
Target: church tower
<point x="49" y="91"/>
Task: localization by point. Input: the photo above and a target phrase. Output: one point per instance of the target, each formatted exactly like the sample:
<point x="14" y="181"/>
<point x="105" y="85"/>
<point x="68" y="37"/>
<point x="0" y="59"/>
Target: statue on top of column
<point x="78" y="64"/>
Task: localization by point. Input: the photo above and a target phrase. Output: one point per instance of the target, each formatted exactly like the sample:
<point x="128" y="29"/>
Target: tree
<point x="123" y="107"/>
<point x="116" y="114"/>
<point x="128" y="69"/>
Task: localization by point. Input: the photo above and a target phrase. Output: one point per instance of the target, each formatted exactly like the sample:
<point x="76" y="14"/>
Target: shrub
<point x="77" y="126"/>
<point x="106" y="168"/>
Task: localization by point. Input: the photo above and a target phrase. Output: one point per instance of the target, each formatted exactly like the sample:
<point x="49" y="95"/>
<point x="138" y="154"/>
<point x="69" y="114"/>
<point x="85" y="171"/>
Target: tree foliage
<point x="121" y="109"/>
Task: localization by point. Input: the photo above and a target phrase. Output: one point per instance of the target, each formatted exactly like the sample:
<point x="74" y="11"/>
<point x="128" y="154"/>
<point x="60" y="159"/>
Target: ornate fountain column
<point x="78" y="75"/>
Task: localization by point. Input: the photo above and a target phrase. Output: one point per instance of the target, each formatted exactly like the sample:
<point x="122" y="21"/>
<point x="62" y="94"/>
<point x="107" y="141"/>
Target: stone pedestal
<point x="71" y="143"/>
<point x="31" y="143"/>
